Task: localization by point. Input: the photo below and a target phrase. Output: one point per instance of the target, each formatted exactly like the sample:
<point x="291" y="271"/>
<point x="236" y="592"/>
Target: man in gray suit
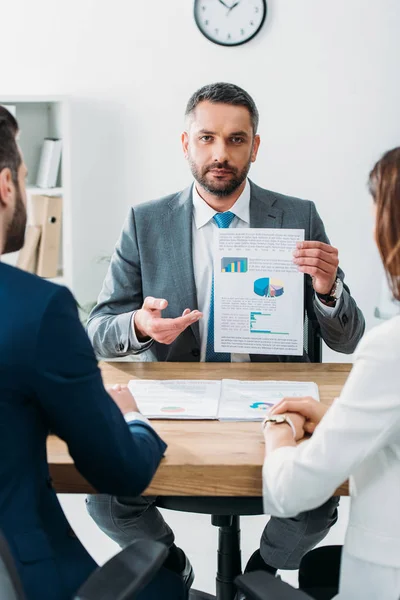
<point x="157" y="295"/>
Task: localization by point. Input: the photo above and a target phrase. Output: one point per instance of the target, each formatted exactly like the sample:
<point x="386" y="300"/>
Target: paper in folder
<point x="226" y="399"/>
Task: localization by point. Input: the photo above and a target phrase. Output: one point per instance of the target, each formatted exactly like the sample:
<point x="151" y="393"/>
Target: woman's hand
<point x="298" y="423"/>
<point x="282" y="435"/>
<point x="307" y="407"/>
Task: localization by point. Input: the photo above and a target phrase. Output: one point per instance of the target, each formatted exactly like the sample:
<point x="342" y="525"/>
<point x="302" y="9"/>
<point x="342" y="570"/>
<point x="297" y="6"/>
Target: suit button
<point x="345" y="319"/>
<point x="196" y="352"/>
<point x="49" y="483"/>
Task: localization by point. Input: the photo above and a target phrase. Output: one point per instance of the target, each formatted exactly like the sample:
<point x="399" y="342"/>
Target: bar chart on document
<point x="261" y="323"/>
<point x="233" y="265"/>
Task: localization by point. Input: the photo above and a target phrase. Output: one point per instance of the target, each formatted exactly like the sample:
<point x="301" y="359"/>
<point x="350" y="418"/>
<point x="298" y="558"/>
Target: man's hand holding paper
<point x="318" y="260"/>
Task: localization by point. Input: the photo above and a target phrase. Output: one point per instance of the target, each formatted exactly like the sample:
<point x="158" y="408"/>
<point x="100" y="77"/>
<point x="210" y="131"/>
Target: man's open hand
<point x="149" y="323"/>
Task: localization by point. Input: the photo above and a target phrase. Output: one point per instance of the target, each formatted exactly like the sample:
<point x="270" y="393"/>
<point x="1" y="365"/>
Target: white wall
<point x="324" y="76"/>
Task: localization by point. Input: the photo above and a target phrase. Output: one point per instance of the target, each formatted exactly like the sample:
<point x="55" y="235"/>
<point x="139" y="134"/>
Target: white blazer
<point x="358" y="438"/>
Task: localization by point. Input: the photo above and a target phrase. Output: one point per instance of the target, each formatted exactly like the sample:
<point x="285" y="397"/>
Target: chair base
<point x="225" y="514"/>
<point x="197" y="595"/>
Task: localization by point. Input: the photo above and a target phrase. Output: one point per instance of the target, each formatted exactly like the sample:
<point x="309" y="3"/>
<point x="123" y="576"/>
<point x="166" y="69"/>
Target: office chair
<point x="120" y="578"/>
<point x="229" y="554"/>
<point x="319" y="576"/>
<point x="126" y="574"/>
<point x="260" y="585"/>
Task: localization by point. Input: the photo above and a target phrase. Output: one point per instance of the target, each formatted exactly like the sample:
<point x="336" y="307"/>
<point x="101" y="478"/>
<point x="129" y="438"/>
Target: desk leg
<point x="229" y="556"/>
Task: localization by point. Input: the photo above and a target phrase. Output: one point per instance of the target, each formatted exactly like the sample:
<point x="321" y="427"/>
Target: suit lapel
<point x="179" y="227"/>
<point x="263" y="214"/>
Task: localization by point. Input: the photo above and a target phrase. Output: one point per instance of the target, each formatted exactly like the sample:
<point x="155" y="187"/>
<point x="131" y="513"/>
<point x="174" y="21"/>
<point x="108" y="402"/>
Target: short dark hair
<point x="11" y="120"/>
<point x="225" y="93"/>
<point x="10" y="157"/>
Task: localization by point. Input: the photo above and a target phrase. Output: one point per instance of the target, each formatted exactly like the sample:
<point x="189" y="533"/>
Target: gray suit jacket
<point x="153" y="257"/>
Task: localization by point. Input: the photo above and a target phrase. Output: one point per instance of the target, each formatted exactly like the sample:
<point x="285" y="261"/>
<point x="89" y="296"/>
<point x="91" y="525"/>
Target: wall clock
<point x="230" y="22"/>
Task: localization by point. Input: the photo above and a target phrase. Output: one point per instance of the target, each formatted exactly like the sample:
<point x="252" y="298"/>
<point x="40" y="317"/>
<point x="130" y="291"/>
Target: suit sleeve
<point x="364" y="420"/>
<point x="109" y="325"/>
<point x="343" y="331"/>
<point x="114" y="457"/>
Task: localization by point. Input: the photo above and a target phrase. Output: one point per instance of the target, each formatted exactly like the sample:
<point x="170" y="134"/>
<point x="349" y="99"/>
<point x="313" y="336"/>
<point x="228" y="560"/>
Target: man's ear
<point x="185" y="143"/>
<point x="256" y="145"/>
<point x="6" y="187"/>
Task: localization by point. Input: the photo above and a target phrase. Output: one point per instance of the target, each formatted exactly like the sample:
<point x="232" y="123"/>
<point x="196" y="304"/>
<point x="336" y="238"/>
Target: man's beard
<point x="221" y="189"/>
<point x="15" y="235"/>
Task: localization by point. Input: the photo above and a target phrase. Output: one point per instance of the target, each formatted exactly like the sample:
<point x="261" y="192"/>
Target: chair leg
<point x="229" y="555"/>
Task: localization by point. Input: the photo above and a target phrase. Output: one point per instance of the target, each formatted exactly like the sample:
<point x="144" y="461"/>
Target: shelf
<point x="24" y="99"/>
<point x="40" y="117"/>
<point x="57" y="191"/>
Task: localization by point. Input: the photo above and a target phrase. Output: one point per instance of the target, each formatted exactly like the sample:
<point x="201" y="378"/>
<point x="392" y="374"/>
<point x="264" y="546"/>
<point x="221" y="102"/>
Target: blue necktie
<point x="223" y="220"/>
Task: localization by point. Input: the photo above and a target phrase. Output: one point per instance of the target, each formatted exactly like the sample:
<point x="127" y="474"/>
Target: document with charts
<point x="258" y="292"/>
<point x="227" y="400"/>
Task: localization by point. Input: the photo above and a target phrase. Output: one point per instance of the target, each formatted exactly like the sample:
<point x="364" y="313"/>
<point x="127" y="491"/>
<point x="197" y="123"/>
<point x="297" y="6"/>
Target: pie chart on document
<point x="269" y="287"/>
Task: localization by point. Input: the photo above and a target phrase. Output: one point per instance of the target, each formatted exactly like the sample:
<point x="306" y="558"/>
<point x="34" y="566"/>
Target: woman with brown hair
<point x="358" y="437"/>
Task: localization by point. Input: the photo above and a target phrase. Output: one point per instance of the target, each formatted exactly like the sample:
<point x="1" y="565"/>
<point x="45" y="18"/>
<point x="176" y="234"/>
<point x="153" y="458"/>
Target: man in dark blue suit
<point x="49" y="380"/>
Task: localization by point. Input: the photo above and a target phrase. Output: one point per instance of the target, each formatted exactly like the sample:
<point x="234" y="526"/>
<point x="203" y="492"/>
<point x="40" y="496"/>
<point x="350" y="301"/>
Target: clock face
<point x="230" y="22"/>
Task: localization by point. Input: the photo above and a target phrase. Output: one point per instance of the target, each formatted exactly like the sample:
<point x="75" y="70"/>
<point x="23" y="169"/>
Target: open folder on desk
<point x="226" y="400"/>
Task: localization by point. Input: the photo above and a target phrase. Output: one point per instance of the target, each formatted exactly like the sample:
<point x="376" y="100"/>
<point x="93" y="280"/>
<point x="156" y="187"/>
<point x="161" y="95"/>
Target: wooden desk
<point x="204" y="458"/>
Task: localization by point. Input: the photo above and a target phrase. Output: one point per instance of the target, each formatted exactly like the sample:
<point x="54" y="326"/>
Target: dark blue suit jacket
<point x="49" y="379"/>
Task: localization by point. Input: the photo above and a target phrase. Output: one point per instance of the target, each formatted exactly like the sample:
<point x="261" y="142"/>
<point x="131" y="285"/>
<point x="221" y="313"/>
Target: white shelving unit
<point x="56" y="191"/>
<point x="40" y="117"/>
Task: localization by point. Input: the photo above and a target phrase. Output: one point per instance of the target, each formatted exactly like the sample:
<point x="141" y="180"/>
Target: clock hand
<point x="233" y="6"/>
<point x="223" y="3"/>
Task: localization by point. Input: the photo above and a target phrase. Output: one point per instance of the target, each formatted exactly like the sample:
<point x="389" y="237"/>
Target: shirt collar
<point x="203" y="213"/>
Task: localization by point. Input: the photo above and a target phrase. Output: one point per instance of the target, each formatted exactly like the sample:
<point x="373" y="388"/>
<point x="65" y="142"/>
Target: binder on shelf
<point x="47" y="214"/>
<point x="49" y="164"/>
<point x="28" y="255"/>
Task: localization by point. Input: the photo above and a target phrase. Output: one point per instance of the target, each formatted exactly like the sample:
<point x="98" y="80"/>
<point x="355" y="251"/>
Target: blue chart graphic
<point x="261" y="405"/>
<point x="259" y="323"/>
<point x="233" y="265"/>
<point x="268" y="287"/>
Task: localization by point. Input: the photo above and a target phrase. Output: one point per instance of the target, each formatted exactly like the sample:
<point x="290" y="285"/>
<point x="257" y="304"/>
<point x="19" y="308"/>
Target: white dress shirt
<point x="134" y="415"/>
<point x="358" y="438"/>
<point x="204" y="230"/>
